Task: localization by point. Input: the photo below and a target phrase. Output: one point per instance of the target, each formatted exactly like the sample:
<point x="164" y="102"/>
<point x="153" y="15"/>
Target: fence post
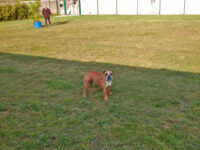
<point x="65" y="7"/>
<point x="79" y="2"/>
<point x="116" y="7"/>
<point x="57" y="6"/>
<point x="97" y="7"/>
<point x="184" y="7"/>
<point x="160" y="7"/>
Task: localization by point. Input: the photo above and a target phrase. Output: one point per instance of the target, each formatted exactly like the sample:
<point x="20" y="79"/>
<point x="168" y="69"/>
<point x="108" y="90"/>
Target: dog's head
<point x="108" y="75"/>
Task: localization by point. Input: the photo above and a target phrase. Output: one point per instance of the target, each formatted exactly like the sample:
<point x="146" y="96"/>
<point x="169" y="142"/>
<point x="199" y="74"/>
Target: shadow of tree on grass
<point x="149" y="108"/>
<point x="56" y="23"/>
<point x="61" y="22"/>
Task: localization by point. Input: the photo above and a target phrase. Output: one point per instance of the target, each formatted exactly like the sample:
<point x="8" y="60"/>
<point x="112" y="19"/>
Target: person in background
<point x="46" y="12"/>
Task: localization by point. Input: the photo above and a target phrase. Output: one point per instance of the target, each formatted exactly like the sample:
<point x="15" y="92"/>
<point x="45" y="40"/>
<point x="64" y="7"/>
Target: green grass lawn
<point x="156" y="90"/>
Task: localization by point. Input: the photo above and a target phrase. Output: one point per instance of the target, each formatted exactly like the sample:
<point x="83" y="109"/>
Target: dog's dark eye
<point x="106" y="74"/>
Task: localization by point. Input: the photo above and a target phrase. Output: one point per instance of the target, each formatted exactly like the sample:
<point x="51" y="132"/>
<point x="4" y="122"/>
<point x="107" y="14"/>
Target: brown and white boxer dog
<point x="104" y="80"/>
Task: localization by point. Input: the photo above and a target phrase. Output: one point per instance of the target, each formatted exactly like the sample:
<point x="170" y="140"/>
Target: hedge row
<point x="14" y="12"/>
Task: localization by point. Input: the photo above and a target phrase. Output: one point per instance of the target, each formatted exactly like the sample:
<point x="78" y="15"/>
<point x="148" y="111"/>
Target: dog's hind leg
<point x="90" y="86"/>
<point x="85" y="88"/>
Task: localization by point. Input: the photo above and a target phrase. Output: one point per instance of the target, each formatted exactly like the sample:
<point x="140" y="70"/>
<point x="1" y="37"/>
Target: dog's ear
<point x="104" y="71"/>
<point x="112" y="72"/>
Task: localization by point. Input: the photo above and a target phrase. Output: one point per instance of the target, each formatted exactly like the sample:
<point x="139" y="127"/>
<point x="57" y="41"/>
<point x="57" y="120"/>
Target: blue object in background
<point x="37" y="24"/>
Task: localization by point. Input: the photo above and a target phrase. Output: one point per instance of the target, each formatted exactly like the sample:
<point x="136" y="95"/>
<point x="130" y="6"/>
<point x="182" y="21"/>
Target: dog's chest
<point x="108" y="83"/>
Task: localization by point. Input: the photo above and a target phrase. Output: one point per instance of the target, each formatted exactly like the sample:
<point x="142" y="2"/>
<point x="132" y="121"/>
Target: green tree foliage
<point x="21" y="10"/>
<point x="34" y="10"/>
<point x="7" y="12"/>
<point x="15" y="11"/>
<point x="1" y="7"/>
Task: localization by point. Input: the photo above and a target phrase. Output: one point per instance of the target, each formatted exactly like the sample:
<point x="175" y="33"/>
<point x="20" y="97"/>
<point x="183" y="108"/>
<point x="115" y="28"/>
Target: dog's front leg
<point x="109" y="92"/>
<point x="104" y="93"/>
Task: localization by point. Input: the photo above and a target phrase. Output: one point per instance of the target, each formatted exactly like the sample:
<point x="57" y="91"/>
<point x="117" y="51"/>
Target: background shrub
<point x="1" y="17"/>
<point x="7" y="12"/>
<point x="21" y="10"/>
<point x="14" y="12"/>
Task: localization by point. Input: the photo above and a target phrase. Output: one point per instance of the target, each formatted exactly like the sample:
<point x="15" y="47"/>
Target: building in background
<point x="141" y="7"/>
<point x="120" y="7"/>
<point x="62" y="7"/>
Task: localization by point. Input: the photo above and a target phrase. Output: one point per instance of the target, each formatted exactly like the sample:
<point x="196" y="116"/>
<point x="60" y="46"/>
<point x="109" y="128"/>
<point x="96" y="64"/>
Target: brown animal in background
<point x="103" y="80"/>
